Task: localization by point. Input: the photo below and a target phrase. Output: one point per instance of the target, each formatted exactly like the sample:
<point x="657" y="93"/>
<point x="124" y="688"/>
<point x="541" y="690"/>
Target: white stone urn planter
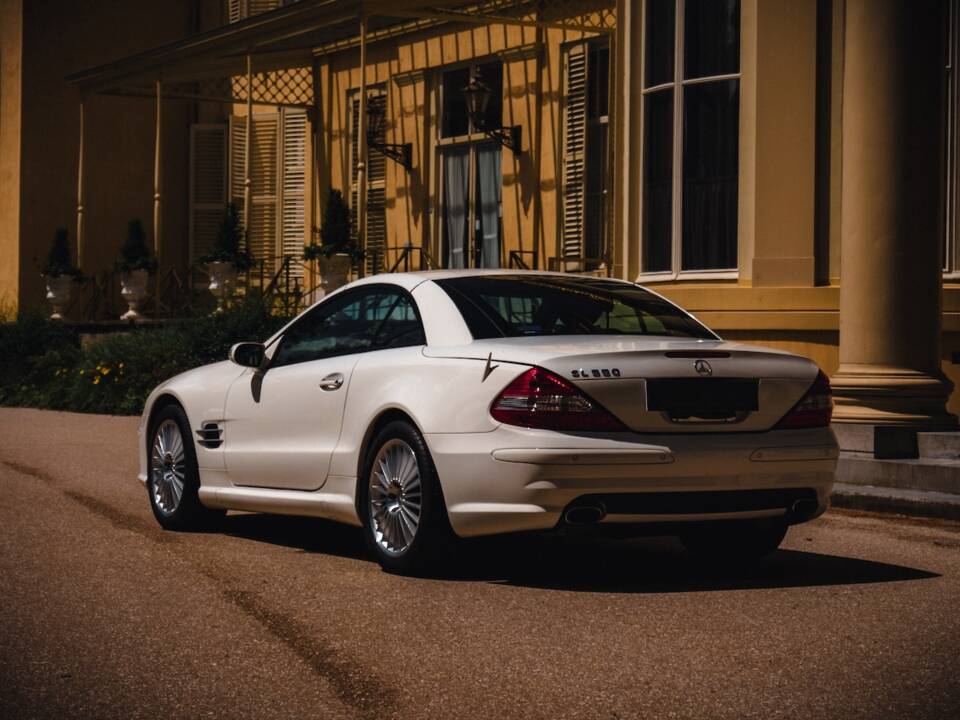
<point x="334" y="271"/>
<point x="59" y="294"/>
<point x="133" y="289"/>
<point x="223" y="282"/>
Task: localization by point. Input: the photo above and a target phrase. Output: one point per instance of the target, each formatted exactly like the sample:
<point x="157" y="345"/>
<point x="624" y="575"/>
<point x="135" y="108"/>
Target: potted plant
<point x="135" y="265"/>
<point x="60" y="274"/>
<point x="228" y="257"/>
<point x="337" y="251"/>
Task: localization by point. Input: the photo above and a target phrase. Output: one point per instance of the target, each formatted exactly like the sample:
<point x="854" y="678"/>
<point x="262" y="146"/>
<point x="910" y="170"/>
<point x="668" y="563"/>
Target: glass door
<point x="472" y="187"/>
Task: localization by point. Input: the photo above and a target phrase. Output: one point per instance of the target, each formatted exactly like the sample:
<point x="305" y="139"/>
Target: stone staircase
<point x="926" y="483"/>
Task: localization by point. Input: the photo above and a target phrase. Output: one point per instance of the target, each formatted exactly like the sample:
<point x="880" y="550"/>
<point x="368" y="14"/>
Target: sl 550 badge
<point x="596" y="372"/>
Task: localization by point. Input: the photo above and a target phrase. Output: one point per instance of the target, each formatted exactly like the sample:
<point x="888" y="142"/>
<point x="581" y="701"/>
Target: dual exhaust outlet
<point x="593" y="513"/>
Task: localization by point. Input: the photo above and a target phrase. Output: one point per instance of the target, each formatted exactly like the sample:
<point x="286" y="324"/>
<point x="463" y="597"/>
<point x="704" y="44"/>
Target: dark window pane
<point x="491" y="75"/>
<point x="455" y="120"/>
<point x="658" y="181"/>
<point x="598" y="82"/>
<point x="595" y="199"/>
<point x="711" y="114"/>
<point x="661" y="15"/>
<point x="711" y="42"/>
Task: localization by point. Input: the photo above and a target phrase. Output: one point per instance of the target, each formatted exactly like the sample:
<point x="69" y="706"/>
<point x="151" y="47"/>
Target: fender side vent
<point x="210" y="435"/>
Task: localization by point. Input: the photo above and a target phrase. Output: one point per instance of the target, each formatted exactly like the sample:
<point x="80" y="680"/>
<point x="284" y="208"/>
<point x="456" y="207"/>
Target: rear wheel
<point x="401" y="504"/>
<point x="173" y="479"/>
<point x="735" y="541"/>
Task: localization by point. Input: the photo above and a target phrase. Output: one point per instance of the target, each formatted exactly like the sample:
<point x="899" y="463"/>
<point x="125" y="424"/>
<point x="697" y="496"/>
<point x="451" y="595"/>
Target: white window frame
<point x="679" y="82"/>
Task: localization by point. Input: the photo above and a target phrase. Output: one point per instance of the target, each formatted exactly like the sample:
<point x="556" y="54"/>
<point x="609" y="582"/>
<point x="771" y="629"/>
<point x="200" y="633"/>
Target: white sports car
<point x="428" y="406"/>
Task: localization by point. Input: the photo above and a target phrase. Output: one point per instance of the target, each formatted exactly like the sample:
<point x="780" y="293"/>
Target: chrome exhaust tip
<point x="802" y="510"/>
<point x="585" y="514"/>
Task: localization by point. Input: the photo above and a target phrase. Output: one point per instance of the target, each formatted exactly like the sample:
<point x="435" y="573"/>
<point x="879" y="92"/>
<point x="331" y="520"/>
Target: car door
<point x="282" y="423"/>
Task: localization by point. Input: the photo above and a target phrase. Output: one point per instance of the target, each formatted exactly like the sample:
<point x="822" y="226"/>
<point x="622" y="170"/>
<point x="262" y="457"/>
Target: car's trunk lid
<point x="663" y="384"/>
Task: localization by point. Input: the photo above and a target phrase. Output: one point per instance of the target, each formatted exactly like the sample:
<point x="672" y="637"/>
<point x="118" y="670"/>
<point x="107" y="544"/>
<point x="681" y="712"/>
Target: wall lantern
<point x="376" y="125"/>
<point x="478" y="98"/>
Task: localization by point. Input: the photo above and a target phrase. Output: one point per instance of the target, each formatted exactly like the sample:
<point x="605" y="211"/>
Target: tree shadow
<point x="581" y="564"/>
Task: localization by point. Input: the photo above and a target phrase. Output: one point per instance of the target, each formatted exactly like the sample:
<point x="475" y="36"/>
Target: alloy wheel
<point x="394" y="497"/>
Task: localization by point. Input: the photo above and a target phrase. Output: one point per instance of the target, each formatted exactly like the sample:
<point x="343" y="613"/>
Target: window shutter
<point x="376" y="240"/>
<point x="255" y="7"/>
<point x="208" y="185"/>
<point x="238" y="149"/>
<point x="235" y="10"/>
<point x="262" y="231"/>
<point x="574" y="126"/>
<point x="354" y="159"/>
<point x="293" y="178"/>
<point x="241" y="9"/>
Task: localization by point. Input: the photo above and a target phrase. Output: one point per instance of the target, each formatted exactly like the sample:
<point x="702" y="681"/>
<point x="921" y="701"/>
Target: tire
<point x="735" y="542"/>
<point x="398" y="473"/>
<point x="172" y="476"/>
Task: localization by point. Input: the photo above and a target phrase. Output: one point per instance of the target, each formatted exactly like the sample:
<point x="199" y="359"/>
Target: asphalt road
<point x="102" y="614"/>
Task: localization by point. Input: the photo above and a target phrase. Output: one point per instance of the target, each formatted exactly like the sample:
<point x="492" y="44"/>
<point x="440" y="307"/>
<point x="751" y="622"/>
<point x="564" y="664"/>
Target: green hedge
<point x="43" y="365"/>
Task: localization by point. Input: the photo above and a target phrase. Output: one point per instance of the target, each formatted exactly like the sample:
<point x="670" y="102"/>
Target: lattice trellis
<point x="596" y="15"/>
<point x="290" y="86"/>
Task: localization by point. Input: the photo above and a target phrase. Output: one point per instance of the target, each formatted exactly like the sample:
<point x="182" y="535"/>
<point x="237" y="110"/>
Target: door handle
<point x="332" y="381"/>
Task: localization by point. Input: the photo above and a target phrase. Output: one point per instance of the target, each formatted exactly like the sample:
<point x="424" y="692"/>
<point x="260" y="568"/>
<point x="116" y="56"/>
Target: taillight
<point x="540" y="399"/>
<point x="814" y="409"/>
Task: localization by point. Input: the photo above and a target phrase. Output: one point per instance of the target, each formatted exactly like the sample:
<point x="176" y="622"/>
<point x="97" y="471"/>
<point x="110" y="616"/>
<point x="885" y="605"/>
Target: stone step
<point x="895" y="500"/>
<point x="939" y="445"/>
<point x="925" y="474"/>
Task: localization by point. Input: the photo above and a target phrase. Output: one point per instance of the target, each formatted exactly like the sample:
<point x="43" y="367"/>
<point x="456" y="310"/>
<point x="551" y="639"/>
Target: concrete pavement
<point x="105" y="615"/>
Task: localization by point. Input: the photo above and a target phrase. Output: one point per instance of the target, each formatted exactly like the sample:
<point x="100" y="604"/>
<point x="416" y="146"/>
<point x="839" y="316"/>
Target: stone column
<point x="890" y="294"/>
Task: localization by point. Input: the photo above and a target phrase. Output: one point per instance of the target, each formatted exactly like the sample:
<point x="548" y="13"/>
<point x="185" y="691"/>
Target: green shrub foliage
<point x="42" y="363"/>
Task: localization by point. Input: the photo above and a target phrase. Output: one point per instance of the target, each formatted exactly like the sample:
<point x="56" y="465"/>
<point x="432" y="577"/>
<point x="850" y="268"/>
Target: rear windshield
<point x="518" y="305"/>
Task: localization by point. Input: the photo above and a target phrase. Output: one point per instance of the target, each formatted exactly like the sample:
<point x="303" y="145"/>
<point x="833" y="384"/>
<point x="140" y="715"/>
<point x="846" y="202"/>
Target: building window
<point x="691" y="135"/>
<point x="275" y="221"/>
<point x="470" y="163"/>
<point x="586" y="119"/>
<point x="951" y="254"/>
<point x="375" y="240"/>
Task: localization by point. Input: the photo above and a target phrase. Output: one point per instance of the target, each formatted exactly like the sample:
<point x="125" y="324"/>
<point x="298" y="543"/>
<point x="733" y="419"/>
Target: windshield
<point x="521" y="305"/>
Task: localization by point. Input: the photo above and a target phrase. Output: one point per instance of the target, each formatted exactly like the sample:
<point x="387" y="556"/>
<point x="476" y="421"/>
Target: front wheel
<point x="173" y="479"/>
<point x="736" y="541"/>
<point x="401" y="504"/>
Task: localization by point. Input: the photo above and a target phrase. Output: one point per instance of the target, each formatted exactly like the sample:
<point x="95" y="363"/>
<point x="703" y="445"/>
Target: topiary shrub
<point x="134" y="254"/>
<point x="58" y="259"/>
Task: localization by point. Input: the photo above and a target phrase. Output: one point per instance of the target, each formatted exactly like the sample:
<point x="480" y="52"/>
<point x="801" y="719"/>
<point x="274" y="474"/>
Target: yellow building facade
<point x="784" y="170"/>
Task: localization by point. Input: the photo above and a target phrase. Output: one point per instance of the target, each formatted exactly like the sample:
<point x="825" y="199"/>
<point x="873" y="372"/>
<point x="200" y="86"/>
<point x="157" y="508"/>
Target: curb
<point x="923" y="503"/>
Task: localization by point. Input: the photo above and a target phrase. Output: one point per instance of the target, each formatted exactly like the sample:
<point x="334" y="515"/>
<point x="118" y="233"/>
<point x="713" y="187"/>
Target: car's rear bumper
<point x="513" y="479"/>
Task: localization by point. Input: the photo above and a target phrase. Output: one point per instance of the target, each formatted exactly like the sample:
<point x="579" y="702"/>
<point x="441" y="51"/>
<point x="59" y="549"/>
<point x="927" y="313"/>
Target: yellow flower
<point x="105" y="371"/>
<point x="81" y="371"/>
<point x="96" y="380"/>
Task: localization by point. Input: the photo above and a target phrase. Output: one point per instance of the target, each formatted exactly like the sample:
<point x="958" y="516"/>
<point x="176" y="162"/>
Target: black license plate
<point x="702" y="396"/>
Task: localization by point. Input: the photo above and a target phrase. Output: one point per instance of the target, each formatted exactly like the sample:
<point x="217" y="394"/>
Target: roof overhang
<point x="289" y="37"/>
<point x="280" y="38"/>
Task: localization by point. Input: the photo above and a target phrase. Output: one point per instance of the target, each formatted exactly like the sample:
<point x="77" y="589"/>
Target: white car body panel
<point x="296" y="453"/>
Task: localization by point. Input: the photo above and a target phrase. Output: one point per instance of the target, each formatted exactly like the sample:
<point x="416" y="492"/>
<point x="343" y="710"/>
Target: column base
<point x="879" y="395"/>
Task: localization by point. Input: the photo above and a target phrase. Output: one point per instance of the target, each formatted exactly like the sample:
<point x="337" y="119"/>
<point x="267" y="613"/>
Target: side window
<point x="356" y="322"/>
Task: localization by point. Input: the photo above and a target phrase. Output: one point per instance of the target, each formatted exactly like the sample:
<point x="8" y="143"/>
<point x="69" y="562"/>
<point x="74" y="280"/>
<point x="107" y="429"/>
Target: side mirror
<point x="247" y="354"/>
